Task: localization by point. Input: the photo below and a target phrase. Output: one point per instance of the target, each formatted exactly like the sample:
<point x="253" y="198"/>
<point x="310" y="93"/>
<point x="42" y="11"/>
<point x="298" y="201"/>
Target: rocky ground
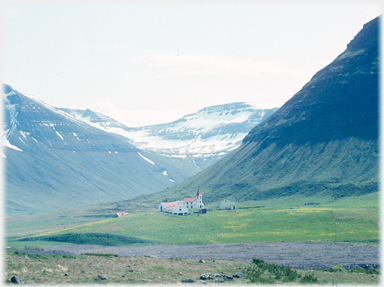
<point x="298" y="255"/>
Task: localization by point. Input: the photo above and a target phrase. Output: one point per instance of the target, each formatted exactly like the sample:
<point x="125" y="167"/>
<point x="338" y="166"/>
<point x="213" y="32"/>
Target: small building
<point x="194" y="202"/>
<point x="202" y="210"/>
<point x="181" y="207"/>
<point x="176" y="207"/>
<point x="226" y="204"/>
<point x="119" y="214"/>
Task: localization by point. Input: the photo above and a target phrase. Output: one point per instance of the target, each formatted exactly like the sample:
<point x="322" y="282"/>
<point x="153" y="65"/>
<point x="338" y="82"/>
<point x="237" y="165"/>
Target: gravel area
<point x="300" y="255"/>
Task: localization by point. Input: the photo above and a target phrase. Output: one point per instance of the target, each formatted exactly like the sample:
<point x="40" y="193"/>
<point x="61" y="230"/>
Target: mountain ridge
<point x="204" y="136"/>
<point x="323" y="141"/>
<point x="57" y="158"/>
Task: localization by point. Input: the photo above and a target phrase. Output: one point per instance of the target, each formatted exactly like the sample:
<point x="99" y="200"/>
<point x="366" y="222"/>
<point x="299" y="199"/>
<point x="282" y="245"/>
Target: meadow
<point x="358" y="219"/>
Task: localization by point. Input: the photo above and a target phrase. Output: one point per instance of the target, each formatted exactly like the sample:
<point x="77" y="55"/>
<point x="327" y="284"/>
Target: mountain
<point x="57" y="158"/>
<point x="203" y="137"/>
<point x="54" y="161"/>
<point x="323" y="141"/>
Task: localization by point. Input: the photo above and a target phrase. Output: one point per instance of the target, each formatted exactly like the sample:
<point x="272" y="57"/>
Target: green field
<point x="358" y="219"/>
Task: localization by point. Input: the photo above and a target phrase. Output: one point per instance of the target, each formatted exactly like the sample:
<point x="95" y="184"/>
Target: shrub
<point x="337" y="269"/>
<point x="369" y="270"/>
<point x="254" y="273"/>
<point x="309" y="278"/>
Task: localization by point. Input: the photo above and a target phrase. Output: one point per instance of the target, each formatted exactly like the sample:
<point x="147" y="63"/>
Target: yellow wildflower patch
<point x="302" y="210"/>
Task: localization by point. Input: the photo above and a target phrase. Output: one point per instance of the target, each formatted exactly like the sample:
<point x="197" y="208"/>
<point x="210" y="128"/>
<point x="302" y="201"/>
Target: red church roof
<point x="198" y="193"/>
<point x="189" y="199"/>
<point x="170" y="205"/>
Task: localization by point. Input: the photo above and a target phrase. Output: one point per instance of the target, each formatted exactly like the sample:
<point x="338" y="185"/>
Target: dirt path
<point x="300" y="255"/>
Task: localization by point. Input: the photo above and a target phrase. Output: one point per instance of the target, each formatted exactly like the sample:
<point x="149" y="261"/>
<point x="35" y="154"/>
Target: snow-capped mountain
<point x="204" y="137"/>
<point x="53" y="160"/>
<point x="57" y="158"/>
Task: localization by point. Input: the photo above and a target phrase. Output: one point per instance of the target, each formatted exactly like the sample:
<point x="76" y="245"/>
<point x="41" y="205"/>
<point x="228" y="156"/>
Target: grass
<point x="358" y="223"/>
<point x="91" y="238"/>
<point x="85" y="269"/>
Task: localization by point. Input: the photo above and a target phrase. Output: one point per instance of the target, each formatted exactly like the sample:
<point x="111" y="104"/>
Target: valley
<point x="305" y="179"/>
<point x="285" y="231"/>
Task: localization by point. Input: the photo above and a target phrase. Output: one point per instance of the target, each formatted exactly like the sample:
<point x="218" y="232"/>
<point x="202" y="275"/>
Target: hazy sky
<point x="152" y="62"/>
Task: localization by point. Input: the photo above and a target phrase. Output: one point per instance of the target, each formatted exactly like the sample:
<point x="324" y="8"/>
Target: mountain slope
<point x="323" y="141"/>
<point x="54" y="161"/>
<point x="58" y="158"/>
<point x="203" y="137"/>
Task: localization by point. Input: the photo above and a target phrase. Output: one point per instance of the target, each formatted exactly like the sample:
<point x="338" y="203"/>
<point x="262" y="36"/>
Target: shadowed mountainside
<point x="323" y="141"/>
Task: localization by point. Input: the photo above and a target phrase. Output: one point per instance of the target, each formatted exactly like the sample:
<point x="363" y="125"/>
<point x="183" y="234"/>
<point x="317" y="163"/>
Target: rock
<point x="219" y="280"/>
<point x="66" y="274"/>
<point x="145" y="280"/>
<point x="25" y="256"/>
<point x="130" y="270"/>
<point x="180" y="273"/>
<point x="201" y="282"/>
<point x="16" y="280"/>
<point x="189" y="281"/>
<point x="202" y="261"/>
<point x="123" y="276"/>
<point x="8" y="280"/>
<point x="226" y="277"/>
<point x="101" y="277"/>
<point x="238" y="275"/>
<point x="205" y="276"/>
<point x="30" y="282"/>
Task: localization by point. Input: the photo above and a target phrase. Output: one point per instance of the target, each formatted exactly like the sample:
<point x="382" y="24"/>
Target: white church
<point x="181" y="207"/>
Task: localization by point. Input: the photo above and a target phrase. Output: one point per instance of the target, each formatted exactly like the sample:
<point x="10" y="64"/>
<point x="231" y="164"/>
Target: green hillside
<point x="322" y="142"/>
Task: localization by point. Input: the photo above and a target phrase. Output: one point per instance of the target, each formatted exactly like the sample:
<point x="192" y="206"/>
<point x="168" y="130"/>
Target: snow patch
<point x="5" y="142"/>
<point x="165" y="172"/>
<point x="148" y="160"/>
<point x="24" y="134"/>
<point x="171" y="180"/>
<point x="59" y="135"/>
<point x="22" y="141"/>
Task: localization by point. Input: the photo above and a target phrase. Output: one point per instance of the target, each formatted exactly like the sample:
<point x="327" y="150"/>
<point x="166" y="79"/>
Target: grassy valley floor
<point x="357" y="219"/>
<point x="293" y="219"/>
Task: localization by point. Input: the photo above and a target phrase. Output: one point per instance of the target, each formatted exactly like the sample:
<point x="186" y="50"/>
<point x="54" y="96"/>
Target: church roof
<point x="170" y="205"/>
<point x="189" y="199"/>
<point x="198" y="193"/>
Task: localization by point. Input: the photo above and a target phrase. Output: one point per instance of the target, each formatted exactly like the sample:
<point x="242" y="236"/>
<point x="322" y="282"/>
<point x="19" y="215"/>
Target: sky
<point x="145" y="63"/>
